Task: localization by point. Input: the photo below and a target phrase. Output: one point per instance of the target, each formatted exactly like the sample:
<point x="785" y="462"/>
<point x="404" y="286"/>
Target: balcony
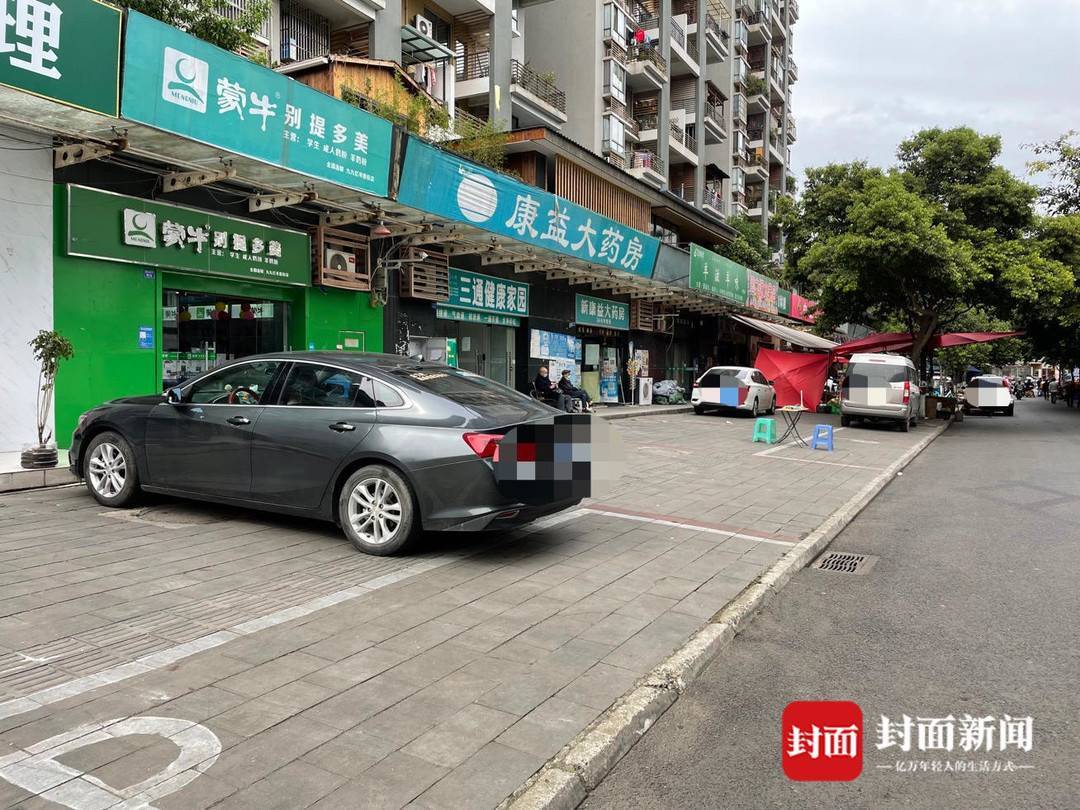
<point x="613" y="50"/>
<point x="684" y="51"/>
<point x="715" y="125"/>
<point x="716" y="38"/>
<point x="646" y="68"/>
<point x="682" y="146"/>
<point x="615" y="153"/>
<point x="793" y="70"/>
<point x="648" y="166"/>
<point x="713" y="201"/>
<point x="535" y="97"/>
<point x="646" y="125"/>
<point x="791" y="136"/>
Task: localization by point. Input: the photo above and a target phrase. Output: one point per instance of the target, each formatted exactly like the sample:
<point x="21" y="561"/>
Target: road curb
<point x="662" y="410"/>
<point x="566" y="780"/>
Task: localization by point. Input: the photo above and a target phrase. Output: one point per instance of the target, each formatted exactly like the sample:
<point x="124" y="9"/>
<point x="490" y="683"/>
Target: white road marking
<point x="37" y="768"/>
<point x="863" y="441"/>
<point x="828" y="463"/>
<point x="691" y="526"/>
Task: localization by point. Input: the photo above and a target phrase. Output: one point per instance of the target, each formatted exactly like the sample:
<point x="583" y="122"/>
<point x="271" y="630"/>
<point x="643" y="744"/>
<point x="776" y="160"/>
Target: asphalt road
<point x="971" y="608"/>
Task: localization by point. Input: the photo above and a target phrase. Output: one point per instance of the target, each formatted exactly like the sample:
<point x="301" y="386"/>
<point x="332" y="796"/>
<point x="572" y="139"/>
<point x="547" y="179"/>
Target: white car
<point x="736" y="387"/>
<point x="988" y="393"/>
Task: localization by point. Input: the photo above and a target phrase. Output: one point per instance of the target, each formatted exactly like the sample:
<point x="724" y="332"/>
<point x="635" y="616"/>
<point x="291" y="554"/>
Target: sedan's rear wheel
<point x="377" y="511"/>
<point x="111" y="474"/>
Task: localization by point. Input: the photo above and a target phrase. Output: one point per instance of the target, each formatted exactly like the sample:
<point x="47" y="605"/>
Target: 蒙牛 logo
<point x="185" y="80"/>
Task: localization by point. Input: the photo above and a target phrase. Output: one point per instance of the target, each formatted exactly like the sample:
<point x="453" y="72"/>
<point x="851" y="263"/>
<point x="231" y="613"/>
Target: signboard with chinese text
<point x="64" y="50"/>
<point x="104" y="225"/>
<point x="180" y="84"/>
<point x="762" y="292"/>
<point x="441" y="183"/>
<point x="469" y="316"/>
<point x="802" y="309"/>
<point x="480" y="293"/>
<point x="601" y="312"/>
<point x="712" y="273"/>
<point x="783" y="301"/>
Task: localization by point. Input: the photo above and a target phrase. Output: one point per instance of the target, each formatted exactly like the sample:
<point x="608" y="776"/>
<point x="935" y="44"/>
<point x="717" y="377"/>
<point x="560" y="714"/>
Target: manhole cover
<point x="843" y="562"/>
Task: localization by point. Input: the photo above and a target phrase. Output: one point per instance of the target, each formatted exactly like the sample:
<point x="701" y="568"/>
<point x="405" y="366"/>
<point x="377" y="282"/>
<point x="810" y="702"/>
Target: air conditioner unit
<point x="424" y="26"/>
<point x="340" y="261"/>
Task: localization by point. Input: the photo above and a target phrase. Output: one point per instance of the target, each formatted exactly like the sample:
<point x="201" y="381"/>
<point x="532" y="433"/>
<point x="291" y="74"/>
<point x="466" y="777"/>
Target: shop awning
<point x="795" y="337"/>
<point x="902" y="341"/>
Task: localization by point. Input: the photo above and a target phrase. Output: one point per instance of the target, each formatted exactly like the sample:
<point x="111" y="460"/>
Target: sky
<point x="873" y="72"/>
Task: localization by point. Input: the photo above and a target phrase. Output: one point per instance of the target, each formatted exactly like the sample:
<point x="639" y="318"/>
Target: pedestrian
<point x="549" y="393"/>
<point x="570" y="390"/>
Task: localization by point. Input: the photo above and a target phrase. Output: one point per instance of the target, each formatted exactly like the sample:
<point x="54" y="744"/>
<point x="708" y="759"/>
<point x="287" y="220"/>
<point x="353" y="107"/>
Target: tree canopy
<point x="944" y="233"/>
<point x="1060" y="159"/>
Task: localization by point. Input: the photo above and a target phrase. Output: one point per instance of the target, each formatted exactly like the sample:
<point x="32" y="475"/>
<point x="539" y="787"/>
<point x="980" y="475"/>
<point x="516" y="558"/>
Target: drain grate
<point x="844" y="562"/>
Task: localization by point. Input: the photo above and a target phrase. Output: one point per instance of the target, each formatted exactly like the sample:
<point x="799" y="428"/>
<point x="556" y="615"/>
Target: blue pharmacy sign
<point x="180" y="84"/>
<point x="443" y="184"/>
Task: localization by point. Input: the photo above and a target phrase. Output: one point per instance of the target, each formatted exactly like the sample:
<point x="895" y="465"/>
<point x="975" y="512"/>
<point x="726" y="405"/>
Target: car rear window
<point x="876" y="373"/>
<point x="717" y="375"/>
<point x="462" y="387"/>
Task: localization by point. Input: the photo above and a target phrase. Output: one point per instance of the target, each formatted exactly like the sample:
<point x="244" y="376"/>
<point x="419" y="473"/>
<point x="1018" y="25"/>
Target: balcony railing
<point x="475" y="65"/>
<point x="466" y="124"/>
<point x="645" y="122"/>
<point x="755" y="133"/>
<point x="540" y="86"/>
<point x="616" y="106"/>
<point x="615" y="51"/>
<point x="646" y="159"/>
<point x="678" y="35"/>
<point x="793" y="69"/>
<point x="714" y="111"/>
<point x="616" y="148"/>
<point x="713" y="197"/>
<point x="713" y="27"/>
<point x="692" y="49"/>
<point x="640" y="52"/>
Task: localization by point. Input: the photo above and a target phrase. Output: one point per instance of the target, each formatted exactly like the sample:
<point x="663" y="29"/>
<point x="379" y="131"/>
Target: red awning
<point x="902" y="341"/>
<point x="798" y="377"/>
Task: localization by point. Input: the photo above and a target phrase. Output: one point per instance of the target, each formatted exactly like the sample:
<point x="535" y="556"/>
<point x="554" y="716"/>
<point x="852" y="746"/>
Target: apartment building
<point x="692" y="96"/>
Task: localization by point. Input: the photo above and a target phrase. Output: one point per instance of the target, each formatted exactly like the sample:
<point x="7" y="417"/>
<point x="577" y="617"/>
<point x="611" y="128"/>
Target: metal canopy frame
<point x="415" y="47"/>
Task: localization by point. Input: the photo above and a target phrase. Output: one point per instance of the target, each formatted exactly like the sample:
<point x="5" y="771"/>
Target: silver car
<point x="880" y="387"/>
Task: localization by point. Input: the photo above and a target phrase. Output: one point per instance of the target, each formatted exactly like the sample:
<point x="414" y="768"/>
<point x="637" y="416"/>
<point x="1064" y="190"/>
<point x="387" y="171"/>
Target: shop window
<point x="244" y="384"/>
<point x="318" y="386"/>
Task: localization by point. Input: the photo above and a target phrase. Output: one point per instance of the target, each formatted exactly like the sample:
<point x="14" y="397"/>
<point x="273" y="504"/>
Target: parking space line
<point x="828" y="463"/>
<point x="664" y="521"/>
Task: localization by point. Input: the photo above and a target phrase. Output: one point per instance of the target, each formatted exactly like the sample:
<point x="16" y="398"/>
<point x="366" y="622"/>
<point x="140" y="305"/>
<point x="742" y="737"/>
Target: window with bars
<point x="305" y="34"/>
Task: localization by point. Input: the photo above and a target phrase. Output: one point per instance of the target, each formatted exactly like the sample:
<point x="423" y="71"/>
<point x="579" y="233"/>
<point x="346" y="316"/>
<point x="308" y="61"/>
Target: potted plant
<point x="49" y="349"/>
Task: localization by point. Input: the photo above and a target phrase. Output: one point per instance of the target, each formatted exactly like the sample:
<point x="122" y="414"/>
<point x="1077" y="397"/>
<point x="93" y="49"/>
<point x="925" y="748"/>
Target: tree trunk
<point x="928" y="323"/>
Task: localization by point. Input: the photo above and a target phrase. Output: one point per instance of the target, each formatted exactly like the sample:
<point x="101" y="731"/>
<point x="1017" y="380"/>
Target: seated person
<point x="549" y="392"/>
<point x="568" y="388"/>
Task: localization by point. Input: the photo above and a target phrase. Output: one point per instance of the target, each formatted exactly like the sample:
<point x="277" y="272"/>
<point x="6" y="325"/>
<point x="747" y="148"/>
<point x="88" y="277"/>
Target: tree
<point x="203" y="19"/>
<point x="748" y="248"/>
<point x="943" y="234"/>
<point x="1054" y="330"/>
<point x="1059" y="158"/>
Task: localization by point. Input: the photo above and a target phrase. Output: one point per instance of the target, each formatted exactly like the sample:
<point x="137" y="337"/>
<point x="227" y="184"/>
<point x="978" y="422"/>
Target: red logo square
<point x="821" y="740"/>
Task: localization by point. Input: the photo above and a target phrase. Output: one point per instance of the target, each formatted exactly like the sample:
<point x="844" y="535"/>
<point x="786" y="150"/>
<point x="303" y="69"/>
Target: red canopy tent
<point x="900" y="341"/>
<point x="795" y="372"/>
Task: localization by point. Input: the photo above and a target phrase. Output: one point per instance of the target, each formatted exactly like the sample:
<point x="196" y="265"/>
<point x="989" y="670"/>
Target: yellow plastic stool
<point x="765" y="430"/>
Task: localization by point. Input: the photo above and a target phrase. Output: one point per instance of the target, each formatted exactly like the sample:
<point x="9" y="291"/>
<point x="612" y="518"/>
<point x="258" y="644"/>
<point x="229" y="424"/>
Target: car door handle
<point x="342" y="427"/>
<point x="238" y="420"/>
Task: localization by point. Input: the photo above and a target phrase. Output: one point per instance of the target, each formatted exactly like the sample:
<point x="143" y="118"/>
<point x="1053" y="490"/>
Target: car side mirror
<point x="174" y="396"/>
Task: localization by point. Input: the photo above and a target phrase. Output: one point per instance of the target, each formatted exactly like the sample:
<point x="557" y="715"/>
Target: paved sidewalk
<point x="286" y="670"/>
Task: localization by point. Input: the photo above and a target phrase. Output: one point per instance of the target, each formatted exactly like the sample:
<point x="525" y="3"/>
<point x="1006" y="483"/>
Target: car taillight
<point x="697" y="384"/>
<point x="485" y="445"/>
<point x="907" y="391"/>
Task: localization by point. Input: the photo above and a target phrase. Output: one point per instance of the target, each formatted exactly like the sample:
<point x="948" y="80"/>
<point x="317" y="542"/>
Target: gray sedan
<point x="382" y="445"/>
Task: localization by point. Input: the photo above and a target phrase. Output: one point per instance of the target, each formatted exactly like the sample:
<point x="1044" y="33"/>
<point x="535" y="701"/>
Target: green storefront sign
<point x="783" y="301"/>
<point x="712" y="273"/>
<point x="591" y="311"/>
<point x="180" y="84"/>
<point x="480" y="293"/>
<point x="65" y="50"/>
<point x="103" y="225"/>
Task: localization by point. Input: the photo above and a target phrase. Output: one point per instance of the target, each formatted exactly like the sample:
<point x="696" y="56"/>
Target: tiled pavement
<point x="328" y="678"/>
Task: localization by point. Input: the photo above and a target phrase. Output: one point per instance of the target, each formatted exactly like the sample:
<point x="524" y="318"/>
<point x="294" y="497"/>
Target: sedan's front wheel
<point x="111" y="474"/>
<point x="377" y="510"/>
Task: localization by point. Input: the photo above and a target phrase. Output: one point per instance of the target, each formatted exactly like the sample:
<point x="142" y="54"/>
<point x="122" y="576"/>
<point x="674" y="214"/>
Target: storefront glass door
<point x="203" y="330"/>
<point x="482" y="349"/>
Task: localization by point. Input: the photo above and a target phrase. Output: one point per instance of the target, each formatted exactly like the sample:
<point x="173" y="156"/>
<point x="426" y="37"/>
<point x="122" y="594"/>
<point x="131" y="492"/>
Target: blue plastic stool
<point x="822" y="438"/>
<point x="765" y="430"/>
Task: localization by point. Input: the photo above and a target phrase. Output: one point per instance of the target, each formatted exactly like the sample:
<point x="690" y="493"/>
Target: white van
<point x="880" y="387"/>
